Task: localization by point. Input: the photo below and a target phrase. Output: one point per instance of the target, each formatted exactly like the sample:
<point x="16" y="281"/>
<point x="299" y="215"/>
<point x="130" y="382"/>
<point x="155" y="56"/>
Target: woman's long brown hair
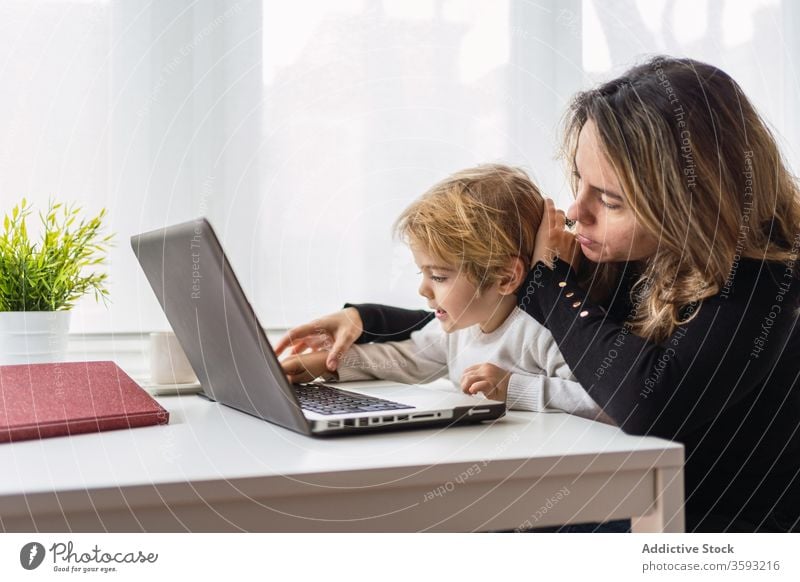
<point x="703" y="174"/>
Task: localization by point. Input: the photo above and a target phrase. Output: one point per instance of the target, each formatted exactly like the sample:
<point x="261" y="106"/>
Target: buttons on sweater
<point x="575" y="304"/>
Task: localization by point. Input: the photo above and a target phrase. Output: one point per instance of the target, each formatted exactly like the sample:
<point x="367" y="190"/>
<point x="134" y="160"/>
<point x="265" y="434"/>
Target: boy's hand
<point x="305" y="367"/>
<point x="486" y="378"/>
<point x="553" y="240"/>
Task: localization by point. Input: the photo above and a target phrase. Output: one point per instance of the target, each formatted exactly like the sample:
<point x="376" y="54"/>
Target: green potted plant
<point x="41" y="280"/>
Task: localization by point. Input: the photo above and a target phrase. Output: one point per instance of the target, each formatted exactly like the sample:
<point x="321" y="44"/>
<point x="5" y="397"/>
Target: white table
<point x="216" y="469"/>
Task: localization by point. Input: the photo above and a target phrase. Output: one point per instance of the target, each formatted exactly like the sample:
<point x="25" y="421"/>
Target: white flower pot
<point x="32" y="337"/>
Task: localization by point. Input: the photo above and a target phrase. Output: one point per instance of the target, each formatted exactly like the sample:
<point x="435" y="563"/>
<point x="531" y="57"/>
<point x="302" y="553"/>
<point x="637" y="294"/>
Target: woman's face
<point x="606" y="227"/>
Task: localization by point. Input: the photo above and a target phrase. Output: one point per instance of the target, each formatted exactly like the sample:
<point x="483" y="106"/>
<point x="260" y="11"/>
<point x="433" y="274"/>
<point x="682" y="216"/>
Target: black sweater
<point x="725" y="384"/>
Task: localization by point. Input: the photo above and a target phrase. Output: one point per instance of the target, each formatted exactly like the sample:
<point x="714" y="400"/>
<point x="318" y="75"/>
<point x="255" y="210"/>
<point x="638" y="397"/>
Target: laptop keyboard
<point x="329" y="400"/>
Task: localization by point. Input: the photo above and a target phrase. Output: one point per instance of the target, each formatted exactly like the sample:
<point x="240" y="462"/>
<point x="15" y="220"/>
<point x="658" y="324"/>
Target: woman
<point x="675" y="300"/>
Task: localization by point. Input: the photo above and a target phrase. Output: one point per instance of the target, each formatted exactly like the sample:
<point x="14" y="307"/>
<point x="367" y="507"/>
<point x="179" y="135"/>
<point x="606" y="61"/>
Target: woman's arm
<point x="336" y="332"/>
<point x="712" y="362"/>
<point x="383" y="323"/>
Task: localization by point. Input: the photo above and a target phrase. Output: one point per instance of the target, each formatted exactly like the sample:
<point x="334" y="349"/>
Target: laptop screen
<point x="214" y="322"/>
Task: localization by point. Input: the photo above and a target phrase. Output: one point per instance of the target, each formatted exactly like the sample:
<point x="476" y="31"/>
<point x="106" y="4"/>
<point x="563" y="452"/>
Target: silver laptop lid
<point x="215" y="323"/>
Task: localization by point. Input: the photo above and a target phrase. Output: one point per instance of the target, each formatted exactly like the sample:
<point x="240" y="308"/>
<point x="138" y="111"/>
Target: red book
<point x="46" y="400"/>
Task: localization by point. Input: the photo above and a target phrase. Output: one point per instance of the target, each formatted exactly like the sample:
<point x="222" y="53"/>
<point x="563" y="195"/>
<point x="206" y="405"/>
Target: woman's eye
<point x="609" y="205"/>
<point x="434" y="278"/>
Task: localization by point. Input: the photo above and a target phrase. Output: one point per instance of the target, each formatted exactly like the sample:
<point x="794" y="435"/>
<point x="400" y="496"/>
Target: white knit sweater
<point x="540" y="378"/>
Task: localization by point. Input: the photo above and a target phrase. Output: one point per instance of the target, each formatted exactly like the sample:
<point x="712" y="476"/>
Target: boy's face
<point x="454" y="297"/>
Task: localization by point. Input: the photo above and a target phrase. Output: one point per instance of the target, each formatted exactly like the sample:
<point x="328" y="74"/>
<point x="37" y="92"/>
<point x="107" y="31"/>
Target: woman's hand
<point x="486" y="378"/>
<point x="305" y="367"/>
<point x="332" y="334"/>
<point x="553" y="240"/>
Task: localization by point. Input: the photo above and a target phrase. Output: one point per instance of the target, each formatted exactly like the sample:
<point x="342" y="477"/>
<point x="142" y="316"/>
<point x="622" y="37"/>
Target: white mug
<point x="168" y="363"/>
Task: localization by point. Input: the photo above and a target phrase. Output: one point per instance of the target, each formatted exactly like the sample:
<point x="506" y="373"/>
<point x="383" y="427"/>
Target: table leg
<point x="666" y="514"/>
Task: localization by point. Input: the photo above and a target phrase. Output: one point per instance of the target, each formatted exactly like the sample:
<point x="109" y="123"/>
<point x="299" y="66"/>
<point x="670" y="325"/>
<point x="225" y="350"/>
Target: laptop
<point x="236" y="365"/>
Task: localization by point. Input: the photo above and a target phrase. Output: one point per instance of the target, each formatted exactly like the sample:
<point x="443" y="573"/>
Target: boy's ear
<point x="514" y="277"/>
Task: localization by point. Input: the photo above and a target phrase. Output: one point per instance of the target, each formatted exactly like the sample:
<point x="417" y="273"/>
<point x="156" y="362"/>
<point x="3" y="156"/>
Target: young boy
<point x="472" y="236"/>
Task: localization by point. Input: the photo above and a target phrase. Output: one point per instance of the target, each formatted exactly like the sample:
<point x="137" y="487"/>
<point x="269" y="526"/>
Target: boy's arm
<point x="556" y="388"/>
<point x="541" y="393"/>
<point x="421" y="359"/>
<point x="395" y="361"/>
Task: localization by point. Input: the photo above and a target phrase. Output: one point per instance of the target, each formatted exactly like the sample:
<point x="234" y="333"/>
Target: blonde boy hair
<point x="477" y="219"/>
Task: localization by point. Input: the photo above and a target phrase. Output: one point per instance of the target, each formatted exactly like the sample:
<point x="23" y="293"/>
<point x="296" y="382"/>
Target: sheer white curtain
<point x="150" y="109"/>
<point x="369" y="103"/>
<point x="755" y="41"/>
<point x="188" y="88"/>
<point x="55" y="103"/>
<point x="303" y="128"/>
